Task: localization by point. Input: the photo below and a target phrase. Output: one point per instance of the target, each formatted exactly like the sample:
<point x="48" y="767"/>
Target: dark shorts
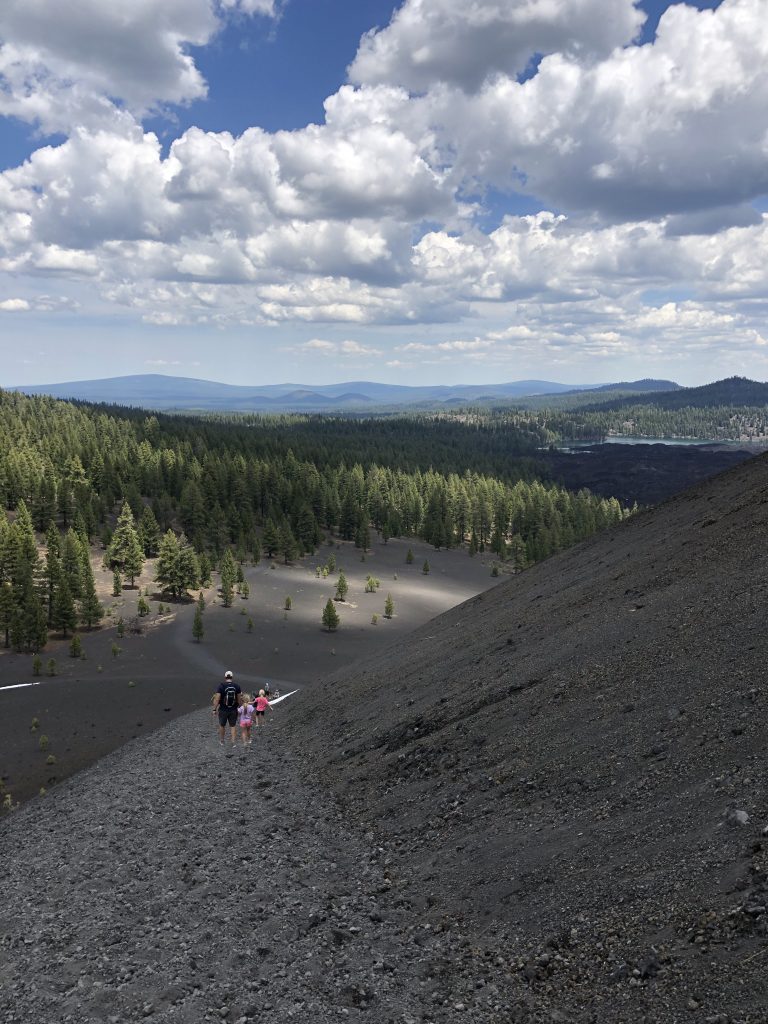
<point x="227" y="716"/>
<point x="258" y="712"/>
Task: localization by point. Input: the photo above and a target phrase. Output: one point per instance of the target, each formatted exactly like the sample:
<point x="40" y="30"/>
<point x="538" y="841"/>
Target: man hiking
<point x="226" y="701"/>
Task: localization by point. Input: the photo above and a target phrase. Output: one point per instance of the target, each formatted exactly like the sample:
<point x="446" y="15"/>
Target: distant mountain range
<point x="735" y="391"/>
<point x="157" y="391"/>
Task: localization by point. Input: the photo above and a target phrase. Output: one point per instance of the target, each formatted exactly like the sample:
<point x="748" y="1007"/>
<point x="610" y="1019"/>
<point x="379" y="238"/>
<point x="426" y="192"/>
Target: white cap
<point x="227" y="675"/>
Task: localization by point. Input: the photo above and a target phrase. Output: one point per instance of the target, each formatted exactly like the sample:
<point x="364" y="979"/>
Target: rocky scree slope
<point x="173" y="884"/>
<point x="571" y="767"/>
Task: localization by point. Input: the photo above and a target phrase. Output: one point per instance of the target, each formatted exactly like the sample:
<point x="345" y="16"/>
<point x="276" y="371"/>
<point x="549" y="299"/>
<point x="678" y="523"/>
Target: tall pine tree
<point x="125" y="553"/>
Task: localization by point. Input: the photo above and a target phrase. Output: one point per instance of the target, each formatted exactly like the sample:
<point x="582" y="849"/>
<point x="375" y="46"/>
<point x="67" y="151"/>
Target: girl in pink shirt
<point x="261" y="706"/>
<point x="245" y="717"/>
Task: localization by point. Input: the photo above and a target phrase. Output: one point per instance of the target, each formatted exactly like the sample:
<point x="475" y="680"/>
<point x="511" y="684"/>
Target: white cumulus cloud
<point x="463" y="42"/>
<point x="64" y="65"/>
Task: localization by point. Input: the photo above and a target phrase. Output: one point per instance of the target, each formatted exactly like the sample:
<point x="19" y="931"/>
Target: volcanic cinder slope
<point x="573" y="765"/>
<point x="546" y="805"/>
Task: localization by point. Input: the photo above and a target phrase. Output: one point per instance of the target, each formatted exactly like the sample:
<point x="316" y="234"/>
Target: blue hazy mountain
<point x="158" y="391"/>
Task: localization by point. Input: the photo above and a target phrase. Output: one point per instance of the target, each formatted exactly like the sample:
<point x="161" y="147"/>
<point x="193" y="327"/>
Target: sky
<point x="429" y="192"/>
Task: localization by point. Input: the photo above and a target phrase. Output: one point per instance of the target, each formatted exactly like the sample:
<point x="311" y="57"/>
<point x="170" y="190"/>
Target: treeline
<point x="273" y="485"/>
<point x="38" y="594"/>
<point x="723" y="422"/>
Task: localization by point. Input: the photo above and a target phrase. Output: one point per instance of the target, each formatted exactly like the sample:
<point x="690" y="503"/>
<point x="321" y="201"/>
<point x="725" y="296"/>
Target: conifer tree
<point x="81" y="527"/>
<point x="125" y="552"/>
<point x="177" y="567"/>
<point x="64" y="617"/>
<point x="53" y="540"/>
<point x="228" y="574"/>
<point x="342" y="587"/>
<point x="72" y="562"/>
<point x="331" y="618"/>
<point x="29" y="626"/>
<point x="389" y="607"/>
<point x="288" y="546"/>
<point x="6" y="610"/>
<point x="117" y="584"/>
<point x="270" y="538"/>
<point x="363" y="536"/>
<point x="91" y="610"/>
<point x="51" y="573"/>
<point x="149" y="532"/>
<point x="44" y="501"/>
<point x="307" y="530"/>
<point x="425" y="567"/>
<point x="23" y="523"/>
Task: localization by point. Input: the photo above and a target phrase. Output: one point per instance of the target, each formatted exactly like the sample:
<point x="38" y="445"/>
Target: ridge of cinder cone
<point x="583" y="748"/>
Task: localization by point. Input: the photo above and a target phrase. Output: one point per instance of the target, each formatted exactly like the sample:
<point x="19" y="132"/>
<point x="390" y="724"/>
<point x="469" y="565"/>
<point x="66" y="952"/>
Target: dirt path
<point x="177" y="882"/>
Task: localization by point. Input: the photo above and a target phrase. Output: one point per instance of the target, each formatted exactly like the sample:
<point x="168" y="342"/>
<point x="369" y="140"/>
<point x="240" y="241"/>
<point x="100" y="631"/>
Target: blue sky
<point x="258" y="191"/>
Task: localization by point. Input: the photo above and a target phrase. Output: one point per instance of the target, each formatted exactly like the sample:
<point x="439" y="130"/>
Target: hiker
<point x="245" y="717"/>
<point x="261" y="706"/>
<point x="226" y="701"/>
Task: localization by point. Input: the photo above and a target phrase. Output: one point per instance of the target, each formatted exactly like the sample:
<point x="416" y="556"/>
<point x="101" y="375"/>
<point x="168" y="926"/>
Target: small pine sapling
<point x="331" y="618"/>
<point x="342" y="587"/>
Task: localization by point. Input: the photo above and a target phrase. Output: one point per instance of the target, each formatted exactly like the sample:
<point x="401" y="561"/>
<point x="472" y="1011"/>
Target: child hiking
<point x="261" y="706"/>
<point x="245" y="716"/>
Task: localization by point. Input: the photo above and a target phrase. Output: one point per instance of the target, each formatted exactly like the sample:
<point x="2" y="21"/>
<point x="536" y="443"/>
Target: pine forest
<point x="199" y="492"/>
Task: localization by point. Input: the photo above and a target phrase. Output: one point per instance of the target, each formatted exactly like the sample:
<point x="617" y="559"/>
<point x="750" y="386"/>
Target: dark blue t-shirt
<point x="229" y="692"/>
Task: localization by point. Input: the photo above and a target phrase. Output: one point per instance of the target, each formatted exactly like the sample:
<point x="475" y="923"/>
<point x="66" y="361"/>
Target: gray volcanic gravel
<point x="176" y="881"/>
<point x="572" y="767"/>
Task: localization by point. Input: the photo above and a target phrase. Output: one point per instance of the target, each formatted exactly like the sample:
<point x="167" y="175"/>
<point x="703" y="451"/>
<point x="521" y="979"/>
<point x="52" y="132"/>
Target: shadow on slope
<point x="567" y="763"/>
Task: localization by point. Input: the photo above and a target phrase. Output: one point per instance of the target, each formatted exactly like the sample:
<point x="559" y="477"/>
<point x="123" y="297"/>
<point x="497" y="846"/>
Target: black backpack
<point x="229" y="699"/>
